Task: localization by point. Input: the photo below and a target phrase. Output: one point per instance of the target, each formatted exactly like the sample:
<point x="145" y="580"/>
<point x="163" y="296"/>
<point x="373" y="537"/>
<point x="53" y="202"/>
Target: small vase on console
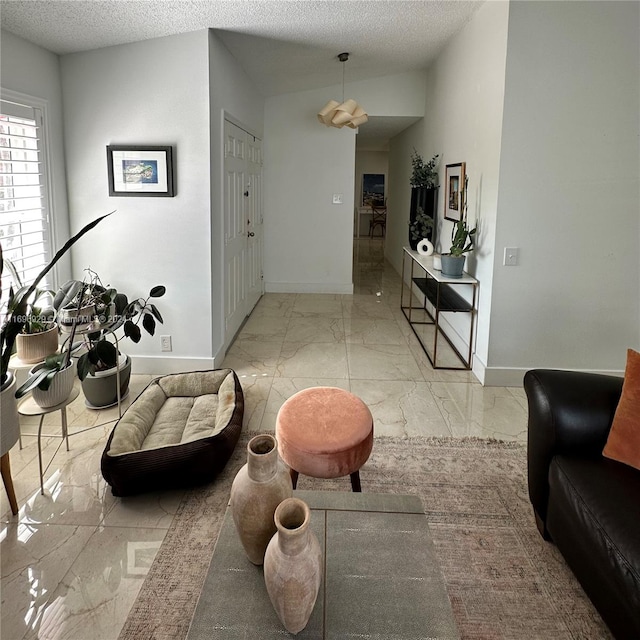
<point x="424" y="247"/>
<point x="258" y="488"/>
<point x="293" y="565"/>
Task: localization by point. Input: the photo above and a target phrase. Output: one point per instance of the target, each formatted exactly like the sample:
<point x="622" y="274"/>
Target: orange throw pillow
<point x="623" y="443"/>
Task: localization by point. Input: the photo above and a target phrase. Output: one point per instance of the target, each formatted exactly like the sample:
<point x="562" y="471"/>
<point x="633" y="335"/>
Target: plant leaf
<point x="107" y="352"/>
<point x="157" y="292"/>
<point x="156" y="313"/>
<point x="121" y="303"/>
<point x="31" y="383"/>
<point x="84" y="366"/>
<point x="149" y="323"/>
<point x="132" y="331"/>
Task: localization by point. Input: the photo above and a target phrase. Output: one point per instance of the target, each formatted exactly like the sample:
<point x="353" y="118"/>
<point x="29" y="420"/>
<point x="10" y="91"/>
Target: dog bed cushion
<point x="179" y="432"/>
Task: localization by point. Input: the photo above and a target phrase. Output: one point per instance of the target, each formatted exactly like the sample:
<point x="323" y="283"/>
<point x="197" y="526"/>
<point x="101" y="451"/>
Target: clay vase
<point x="293" y="565"/>
<point x="258" y="488"/>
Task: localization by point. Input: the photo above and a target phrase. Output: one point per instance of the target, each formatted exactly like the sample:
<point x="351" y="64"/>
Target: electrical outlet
<point x="337" y="198"/>
<point x="165" y="343"/>
<point x="511" y="256"/>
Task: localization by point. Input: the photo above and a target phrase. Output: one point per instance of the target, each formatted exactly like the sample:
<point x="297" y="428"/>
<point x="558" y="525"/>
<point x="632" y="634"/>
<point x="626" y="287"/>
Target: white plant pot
<point x="84" y="317"/>
<point x="101" y="389"/>
<point x="58" y="390"/>
<point x="35" y="347"/>
<point x="10" y="421"/>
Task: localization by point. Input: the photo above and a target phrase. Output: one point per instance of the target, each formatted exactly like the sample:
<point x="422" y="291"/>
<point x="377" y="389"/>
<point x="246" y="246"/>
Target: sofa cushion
<point x="594" y="513"/>
<point x="623" y="443"/>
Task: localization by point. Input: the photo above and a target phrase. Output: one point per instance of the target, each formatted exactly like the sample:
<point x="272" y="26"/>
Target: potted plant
<point x="39" y="335"/>
<point x="13" y="320"/>
<point x="101" y="363"/>
<point x="51" y="382"/>
<point x="424" y="194"/>
<point x="79" y="302"/>
<point x="462" y="241"/>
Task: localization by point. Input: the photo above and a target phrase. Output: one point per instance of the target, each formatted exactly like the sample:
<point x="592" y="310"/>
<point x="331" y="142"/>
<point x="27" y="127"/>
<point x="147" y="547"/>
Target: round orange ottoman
<point x="325" y="432"/>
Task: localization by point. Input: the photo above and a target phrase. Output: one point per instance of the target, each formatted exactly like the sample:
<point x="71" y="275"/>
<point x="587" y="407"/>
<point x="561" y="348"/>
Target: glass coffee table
<point x="381" y="577"/>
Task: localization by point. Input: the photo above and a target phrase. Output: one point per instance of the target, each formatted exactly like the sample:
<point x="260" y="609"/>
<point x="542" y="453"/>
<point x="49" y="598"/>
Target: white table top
<point x="29" y="407"/>
<point x="426" y="262"/>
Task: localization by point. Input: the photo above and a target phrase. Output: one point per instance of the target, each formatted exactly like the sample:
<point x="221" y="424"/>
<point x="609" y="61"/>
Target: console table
<point x="444" y="296"/>
<point x="381" y="577"/>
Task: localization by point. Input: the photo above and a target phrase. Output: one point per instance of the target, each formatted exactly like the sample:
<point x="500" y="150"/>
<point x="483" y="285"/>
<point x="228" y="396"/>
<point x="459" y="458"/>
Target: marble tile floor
<point x="74" y="559"/>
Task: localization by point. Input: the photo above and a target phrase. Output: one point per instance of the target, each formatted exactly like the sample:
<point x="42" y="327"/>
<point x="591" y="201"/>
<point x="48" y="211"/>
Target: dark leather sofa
<point x="588" y="505"/>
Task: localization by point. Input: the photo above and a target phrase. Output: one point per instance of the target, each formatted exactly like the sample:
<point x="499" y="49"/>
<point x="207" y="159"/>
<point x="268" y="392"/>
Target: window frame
<point x="42" y="107"/>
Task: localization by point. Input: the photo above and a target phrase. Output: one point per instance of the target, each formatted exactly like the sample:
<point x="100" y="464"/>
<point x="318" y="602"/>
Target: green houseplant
<point x="14" y="314"/>
<point x="424" y="197"/>
<point x="39" y="335"/>
<point x="462" y="241"/>
<point x="423" y="174"/>
<point x="114" y="317"/>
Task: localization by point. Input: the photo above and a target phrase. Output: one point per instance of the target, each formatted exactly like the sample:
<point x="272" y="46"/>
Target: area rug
<point x="503" y="580"/>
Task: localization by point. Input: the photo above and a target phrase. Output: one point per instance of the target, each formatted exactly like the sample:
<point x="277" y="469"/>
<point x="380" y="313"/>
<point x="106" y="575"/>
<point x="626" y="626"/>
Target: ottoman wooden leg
<point x="294" y="477"/>
<point x="355" y="481"/>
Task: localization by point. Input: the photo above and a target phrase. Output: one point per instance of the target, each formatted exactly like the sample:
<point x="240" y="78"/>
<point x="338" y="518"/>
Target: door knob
<point x="251" y="234"/>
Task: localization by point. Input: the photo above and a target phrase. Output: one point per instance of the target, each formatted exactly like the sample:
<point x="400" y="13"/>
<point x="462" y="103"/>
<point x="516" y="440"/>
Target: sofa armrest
<point x="569" y="413"/>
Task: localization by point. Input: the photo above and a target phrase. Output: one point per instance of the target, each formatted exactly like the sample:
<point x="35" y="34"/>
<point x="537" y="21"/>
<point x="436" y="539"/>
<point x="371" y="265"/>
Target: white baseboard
<point x="161" y="365"/>
<point x="513" y="376"/>
<point x="308" y="287"/>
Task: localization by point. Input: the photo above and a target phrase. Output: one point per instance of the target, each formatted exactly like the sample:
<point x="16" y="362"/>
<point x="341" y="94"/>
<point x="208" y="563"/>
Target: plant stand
<point x="29" y="407"/>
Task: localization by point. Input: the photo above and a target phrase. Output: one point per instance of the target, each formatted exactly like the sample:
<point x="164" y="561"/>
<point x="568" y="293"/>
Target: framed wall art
<point x="140" y="171"/>
<point x="372" y="189"/>
<point x="454" y="184"/>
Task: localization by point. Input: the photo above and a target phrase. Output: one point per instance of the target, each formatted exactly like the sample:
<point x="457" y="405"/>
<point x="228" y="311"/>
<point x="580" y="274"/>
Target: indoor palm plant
<point x="462" y="241"/>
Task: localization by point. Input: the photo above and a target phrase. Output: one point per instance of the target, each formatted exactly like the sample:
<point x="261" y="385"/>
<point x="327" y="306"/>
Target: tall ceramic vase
<point x="258" y="488"/>
<point x="293" y="565"/>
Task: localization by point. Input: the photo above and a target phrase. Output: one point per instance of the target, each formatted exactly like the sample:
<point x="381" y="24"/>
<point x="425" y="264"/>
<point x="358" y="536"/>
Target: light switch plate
<point x="511" y="255"/>
<point x="337" y="198"/>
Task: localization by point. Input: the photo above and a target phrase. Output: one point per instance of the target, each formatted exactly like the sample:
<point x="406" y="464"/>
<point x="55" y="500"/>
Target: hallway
<point x="363" y="343"/>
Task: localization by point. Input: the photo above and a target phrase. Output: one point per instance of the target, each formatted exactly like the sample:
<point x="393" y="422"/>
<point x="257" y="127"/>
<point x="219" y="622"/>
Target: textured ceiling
<point x="284" y="46"/>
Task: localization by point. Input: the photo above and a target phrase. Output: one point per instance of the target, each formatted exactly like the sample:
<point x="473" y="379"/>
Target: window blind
<point x="24" y="227"/>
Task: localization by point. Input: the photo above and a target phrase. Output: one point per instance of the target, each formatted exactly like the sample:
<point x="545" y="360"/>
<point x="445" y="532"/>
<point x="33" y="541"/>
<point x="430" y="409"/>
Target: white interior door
<point x="254" y="278"/>
<point x="242" y="226"/>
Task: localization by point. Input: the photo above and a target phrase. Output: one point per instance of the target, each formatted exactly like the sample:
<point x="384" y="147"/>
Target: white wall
<point x="309" y="240"/>
<point x="31" y="70"/>
<point x="569" y="191"/>
<point x="154" y="92"/>
<point x="232" y="95"/>
<point x="462" y="123"/>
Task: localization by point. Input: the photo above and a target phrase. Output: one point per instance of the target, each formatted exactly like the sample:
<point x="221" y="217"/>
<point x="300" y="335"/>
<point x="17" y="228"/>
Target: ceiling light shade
<point x="349" y="113"/>
<point x="325" y="115"/>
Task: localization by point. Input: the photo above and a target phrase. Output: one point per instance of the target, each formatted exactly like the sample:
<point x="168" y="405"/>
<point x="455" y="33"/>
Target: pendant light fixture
<point x="349" y="112"/>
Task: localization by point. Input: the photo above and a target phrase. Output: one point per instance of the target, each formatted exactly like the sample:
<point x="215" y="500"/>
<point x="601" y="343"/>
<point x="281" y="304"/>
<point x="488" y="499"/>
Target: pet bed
<point x="179" y="432"/>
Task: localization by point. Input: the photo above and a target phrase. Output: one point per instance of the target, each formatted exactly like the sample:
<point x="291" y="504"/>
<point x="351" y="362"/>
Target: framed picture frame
<point x="372" y="189"/>
<point x="136" y="170"/>
<point x="454" y="184"/>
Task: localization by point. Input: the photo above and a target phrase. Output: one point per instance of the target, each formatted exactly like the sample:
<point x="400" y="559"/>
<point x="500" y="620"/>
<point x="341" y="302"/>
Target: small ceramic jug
<point x="293" y="565"/>
<point x="258" y="488"/>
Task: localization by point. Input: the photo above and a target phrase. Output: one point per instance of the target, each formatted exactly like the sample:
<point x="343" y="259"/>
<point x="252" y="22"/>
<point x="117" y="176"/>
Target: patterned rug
<point x="503" y="580"/>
